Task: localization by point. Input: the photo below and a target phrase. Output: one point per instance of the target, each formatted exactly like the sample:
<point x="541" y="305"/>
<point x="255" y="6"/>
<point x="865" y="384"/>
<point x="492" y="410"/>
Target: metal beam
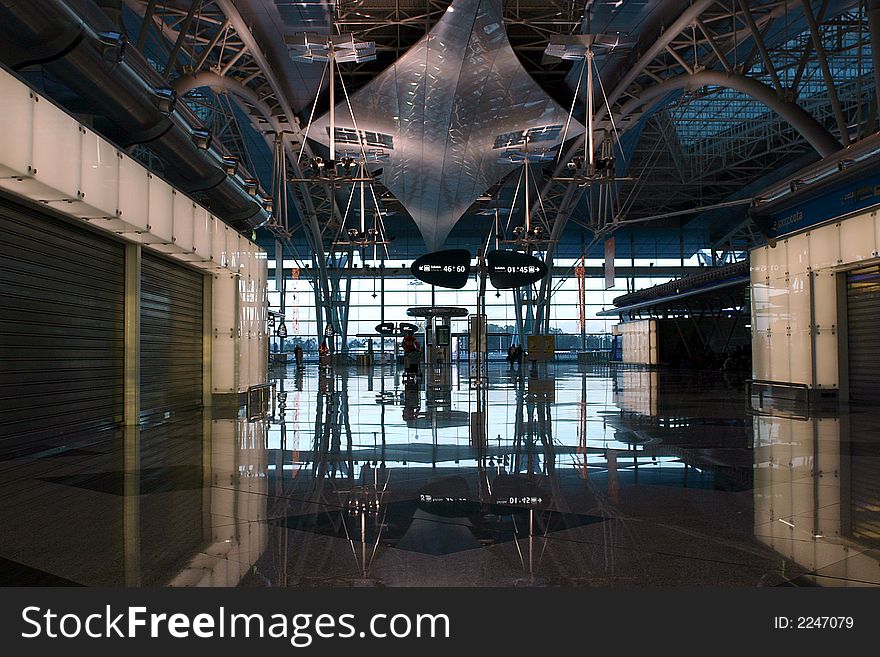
<point x="171" y="65"/>
<point x="145" y="25"/>
<point x="817" y="136"/>
<point x="826" y="72"/>
<point x="713" y="44"/>
<point x="873" y="10"/>
<point x="762" y="48"/>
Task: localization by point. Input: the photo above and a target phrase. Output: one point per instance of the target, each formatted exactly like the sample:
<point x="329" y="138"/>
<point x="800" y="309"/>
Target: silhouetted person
<point x="298" y="356"/>
<point x="411" y="350"/>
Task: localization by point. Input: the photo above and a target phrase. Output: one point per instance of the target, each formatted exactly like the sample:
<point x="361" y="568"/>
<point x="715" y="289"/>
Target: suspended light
<point x="201" y="138"/>
<point x="165" y="99"/>
<point x="250" y="186"/>
<point x="230" y="165"/>
<point x="112" y="46"/>
<point x="311" y="47"/>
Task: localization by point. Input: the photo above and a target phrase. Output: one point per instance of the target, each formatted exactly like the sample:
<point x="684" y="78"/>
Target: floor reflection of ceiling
<point x="409" y="526"/>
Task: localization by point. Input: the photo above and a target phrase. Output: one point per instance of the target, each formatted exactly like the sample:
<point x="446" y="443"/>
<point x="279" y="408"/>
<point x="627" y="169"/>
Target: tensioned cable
<point x="610" y="114"/>
<point x="378" y="221"/>
<point x="312" y="114"/>
<point x="513" y="203"/>
<point x="568" y="119"/>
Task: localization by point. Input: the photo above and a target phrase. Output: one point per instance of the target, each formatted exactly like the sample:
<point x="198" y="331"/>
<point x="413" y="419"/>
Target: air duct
<point x="79" y="45"/>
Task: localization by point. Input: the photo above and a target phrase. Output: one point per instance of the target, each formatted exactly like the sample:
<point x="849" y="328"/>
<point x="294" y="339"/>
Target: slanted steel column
<point x="826" y="72"/>
<point x="181" y="37"/>
<point x="759" y="43"/>
<point x="873" y="7"/>
<point x="145" y="25"/>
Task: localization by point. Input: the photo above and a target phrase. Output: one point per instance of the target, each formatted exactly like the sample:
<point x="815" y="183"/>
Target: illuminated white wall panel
<point x="160" y="224"/>
<point x="857" y="240"/>
<point x="794" y="299"/>
<point x="57" y="152"/>
<point x="134" y="195"/>
<point x="203" y="233"/>
<point x="16" y="129"/>
<point x="218" y="243"/>
<point x="224" y="372"/>
<point x="639" y="341"/>
<point x="98" y="178"/>
<point x="184" y="219"/>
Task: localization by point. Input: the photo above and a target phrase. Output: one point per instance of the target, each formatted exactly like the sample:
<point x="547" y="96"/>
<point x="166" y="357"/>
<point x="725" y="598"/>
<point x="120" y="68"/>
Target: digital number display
<point x="446" y="269"/>
<point x="510" y="269"/>
<point x="449" y="268"/>
<point x="425" y="497"/>
<point x="522" y="501"/>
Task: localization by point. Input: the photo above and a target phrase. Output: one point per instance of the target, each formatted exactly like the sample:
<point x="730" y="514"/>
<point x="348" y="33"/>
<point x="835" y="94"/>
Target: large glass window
<point x="403" y="292"/>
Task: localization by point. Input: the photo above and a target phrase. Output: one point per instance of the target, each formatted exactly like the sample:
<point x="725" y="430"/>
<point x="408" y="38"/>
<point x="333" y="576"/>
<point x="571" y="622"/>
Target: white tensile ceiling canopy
<point x="445" y="115"/>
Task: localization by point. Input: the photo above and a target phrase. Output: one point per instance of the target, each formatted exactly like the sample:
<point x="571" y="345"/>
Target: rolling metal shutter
<point x="863" y="333"/>
<point x="61" y="330"/>
<point x="864" y="489"/>
<point x="171" y="339"/>
<point x="863" y="453"/>
<point x="171" y="438"/>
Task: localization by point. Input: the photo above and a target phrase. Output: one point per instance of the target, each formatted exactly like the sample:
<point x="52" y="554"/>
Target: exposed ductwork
<point x="76" y="42"/>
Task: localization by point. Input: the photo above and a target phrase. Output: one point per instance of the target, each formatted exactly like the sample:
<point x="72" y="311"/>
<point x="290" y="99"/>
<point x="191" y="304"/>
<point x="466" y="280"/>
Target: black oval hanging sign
<point x="385" y="328"/>
<point x="510" y="269"/>
<point x="449" y="268"/>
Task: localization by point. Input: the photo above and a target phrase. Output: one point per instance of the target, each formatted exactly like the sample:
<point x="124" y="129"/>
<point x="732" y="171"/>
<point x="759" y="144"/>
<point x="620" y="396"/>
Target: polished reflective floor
<point x="548" y="475"/>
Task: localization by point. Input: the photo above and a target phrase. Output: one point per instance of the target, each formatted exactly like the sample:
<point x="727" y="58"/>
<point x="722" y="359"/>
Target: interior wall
<point x="795" y="305"/>
<point x="49" y="158"/>
<point x="639" y="341"/>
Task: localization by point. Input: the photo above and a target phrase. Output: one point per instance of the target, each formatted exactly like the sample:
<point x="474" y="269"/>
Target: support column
<point x="131" y="432"/>
<point x="207" y="402"/>
<point x="207" y="340"/>
<point x="132" y="333"/>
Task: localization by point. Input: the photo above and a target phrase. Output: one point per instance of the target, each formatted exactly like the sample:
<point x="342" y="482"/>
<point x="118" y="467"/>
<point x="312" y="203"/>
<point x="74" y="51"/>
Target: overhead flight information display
<point x="510" y="269"/>
<point x="449" y="268"/>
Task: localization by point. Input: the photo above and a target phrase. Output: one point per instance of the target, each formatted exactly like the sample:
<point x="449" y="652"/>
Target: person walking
<point x="411" y="351"/>
<point x="324" y="354"/>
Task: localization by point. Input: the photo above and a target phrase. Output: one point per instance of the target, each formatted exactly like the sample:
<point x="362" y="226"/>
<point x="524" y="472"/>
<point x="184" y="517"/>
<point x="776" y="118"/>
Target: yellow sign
<point x="541" y="347"/>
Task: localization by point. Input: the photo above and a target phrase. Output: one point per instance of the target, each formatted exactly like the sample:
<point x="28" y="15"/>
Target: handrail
<point x="780" y="384"/>
<point x="759" y="410"/>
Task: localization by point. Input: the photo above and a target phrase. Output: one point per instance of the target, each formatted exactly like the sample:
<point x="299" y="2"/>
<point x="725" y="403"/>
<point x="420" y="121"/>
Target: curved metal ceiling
<point x="449" y="105"/>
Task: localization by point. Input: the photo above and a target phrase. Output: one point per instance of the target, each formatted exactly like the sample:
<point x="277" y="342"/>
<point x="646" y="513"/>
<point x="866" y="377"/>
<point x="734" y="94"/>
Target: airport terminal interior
<point x="518" y="293"/>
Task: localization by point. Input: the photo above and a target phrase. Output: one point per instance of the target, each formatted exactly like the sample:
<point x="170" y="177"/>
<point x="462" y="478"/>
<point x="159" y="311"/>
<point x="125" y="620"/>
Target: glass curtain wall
<point x="402" y="293"/>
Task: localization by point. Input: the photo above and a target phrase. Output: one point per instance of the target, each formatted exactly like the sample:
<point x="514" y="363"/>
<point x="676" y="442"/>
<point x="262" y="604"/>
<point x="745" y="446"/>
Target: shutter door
<point x="863" y="333"/>
<point x="864" y="487"/>
<point x="171" y="453"/>
<point x="61" y="330"/>
<point x="171" y="338"/>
